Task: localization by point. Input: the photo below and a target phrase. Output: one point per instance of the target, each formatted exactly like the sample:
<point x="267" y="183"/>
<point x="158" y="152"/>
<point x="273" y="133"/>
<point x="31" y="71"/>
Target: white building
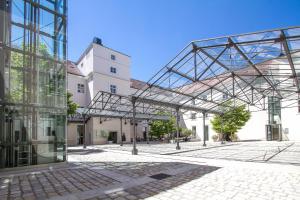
<point x="285" y="120"/>
<point x="103" y="69"/>
<point x="99" y="69"/>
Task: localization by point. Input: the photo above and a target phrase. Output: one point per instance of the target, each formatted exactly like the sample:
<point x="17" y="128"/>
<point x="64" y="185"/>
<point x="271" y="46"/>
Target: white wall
<point x="290" y="119"/>
<point x="73" y="80"/>
<point x="103" y="82"/>
<point x="85" y="65"/>
<point x="255" y="128"/>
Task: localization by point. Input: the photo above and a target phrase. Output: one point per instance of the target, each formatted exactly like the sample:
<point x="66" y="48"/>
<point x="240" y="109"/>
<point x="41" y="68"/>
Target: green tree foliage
<point x="160" y="128"/>
<point x="186" y="132"/>
<point x="72" y="107"/>
<point x="231" y="121"/>
<point x="18" y="62"/>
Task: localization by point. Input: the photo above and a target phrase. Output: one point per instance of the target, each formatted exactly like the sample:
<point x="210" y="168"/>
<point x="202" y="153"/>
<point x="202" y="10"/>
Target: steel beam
<point x="210" y="87"/>
<point x="253" y="66"/>
<point x="225" y="67"/>
<point x="290" y="60"/>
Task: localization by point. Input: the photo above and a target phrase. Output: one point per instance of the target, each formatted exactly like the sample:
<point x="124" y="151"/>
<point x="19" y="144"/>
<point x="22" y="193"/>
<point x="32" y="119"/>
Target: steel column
<point x="177" y="130"/>
<point x="121" y="131"/>
<point x="222" y="134"/>
<point x="204" y="144"/>
<point x="147" y="132"/>
<point x="134" y="150"/>
<point x="84" y="132"/>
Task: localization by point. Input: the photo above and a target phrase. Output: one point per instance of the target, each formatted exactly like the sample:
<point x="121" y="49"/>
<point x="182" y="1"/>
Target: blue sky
<point x="153" y="31"/>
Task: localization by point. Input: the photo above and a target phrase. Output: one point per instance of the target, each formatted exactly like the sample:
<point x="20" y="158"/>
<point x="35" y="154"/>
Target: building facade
<point x="103" y="69"/>
<point x="100" y="69"/>
<point x="32" y="82"/>
<point x="279" y="120"/>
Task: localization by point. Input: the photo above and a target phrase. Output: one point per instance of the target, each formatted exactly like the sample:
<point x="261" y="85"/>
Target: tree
<point x="72" y="107"/>
<point x="159" y="128"/>
<point x="186" y="133"/>
<point x="231" y="121"/>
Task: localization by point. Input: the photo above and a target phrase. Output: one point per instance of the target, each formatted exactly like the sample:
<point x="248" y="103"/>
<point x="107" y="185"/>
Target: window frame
<point x="80" y="88"/>
<point x="113" y="89"/>
<point x="113" y="70"/>
<point x="193" y="116"/>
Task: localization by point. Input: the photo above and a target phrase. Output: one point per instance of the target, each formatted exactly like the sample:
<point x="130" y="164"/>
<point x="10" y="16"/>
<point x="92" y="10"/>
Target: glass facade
<point x="32" y="82"/>
<point x="274" y="110"/>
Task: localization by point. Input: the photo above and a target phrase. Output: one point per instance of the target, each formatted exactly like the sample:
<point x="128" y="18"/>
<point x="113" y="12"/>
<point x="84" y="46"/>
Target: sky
<point x="152" y="32"/>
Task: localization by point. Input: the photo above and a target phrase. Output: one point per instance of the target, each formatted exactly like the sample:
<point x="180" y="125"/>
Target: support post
<point x="134" y="150"/>
<point x="204" y="144"/>
<point x="84" y="131"/>
<point x="222" y="134"/>
<point x="121" y="130"/>
<point x="147" y="132"/>
<point x="177" y="131"/>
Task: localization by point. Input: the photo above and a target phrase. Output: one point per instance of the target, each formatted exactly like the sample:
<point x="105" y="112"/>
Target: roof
<point x="137" y="84"/>
<point x="244" y="68"/>
<point x="90" y="46"/>
<point x="73" y="69"/>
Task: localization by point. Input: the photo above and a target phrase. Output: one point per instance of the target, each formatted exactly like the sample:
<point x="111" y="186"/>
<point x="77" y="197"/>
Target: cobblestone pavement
<point x="104" y="173"/>
<point x="276" y="152"/>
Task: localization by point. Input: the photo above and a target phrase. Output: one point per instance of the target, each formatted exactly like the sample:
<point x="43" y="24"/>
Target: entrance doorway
<point x="80" y="131"/>
<point x="113" y="136"/>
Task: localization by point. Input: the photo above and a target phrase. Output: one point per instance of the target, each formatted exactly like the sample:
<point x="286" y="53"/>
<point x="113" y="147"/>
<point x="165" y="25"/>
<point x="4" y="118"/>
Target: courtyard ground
<point x="243" y="170"/>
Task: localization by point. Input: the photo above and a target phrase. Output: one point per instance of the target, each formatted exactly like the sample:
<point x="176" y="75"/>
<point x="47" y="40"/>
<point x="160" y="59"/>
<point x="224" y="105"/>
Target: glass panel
<point x="33" y="112"/>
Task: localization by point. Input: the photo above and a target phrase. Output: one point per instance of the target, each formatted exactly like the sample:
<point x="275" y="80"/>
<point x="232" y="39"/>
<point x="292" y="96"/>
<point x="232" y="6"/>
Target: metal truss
<point x="207" y="74"/>
<point x="244" y="69"/>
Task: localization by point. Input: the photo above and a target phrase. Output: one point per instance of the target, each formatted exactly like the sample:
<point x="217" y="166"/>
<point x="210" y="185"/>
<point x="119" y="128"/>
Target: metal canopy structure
<point x="206" y="74"/>
<point x="241" y="68"/>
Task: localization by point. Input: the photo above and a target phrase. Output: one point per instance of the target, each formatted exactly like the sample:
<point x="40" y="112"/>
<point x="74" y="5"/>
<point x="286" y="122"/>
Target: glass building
<point x="32" y="82"/>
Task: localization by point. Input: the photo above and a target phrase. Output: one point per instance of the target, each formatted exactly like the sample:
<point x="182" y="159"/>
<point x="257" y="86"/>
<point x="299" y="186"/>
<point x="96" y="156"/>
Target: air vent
<point x="160" y="176"/>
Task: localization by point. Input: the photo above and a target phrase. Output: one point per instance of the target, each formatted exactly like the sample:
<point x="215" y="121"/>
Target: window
<point x="81" y="65"/>
<point x="193" y="115"/>
<point x="113" y="70"/>
<point x="298" y="106"/>
<point x="113" y="89"/>
<point x="113" y="57"/>
<point x="80" y="88"/>
<point x="194" y="131"/>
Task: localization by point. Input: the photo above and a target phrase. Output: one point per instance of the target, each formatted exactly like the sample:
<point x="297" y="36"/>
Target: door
<point x="80" y="132"/>
<point x="113" y="136"/>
